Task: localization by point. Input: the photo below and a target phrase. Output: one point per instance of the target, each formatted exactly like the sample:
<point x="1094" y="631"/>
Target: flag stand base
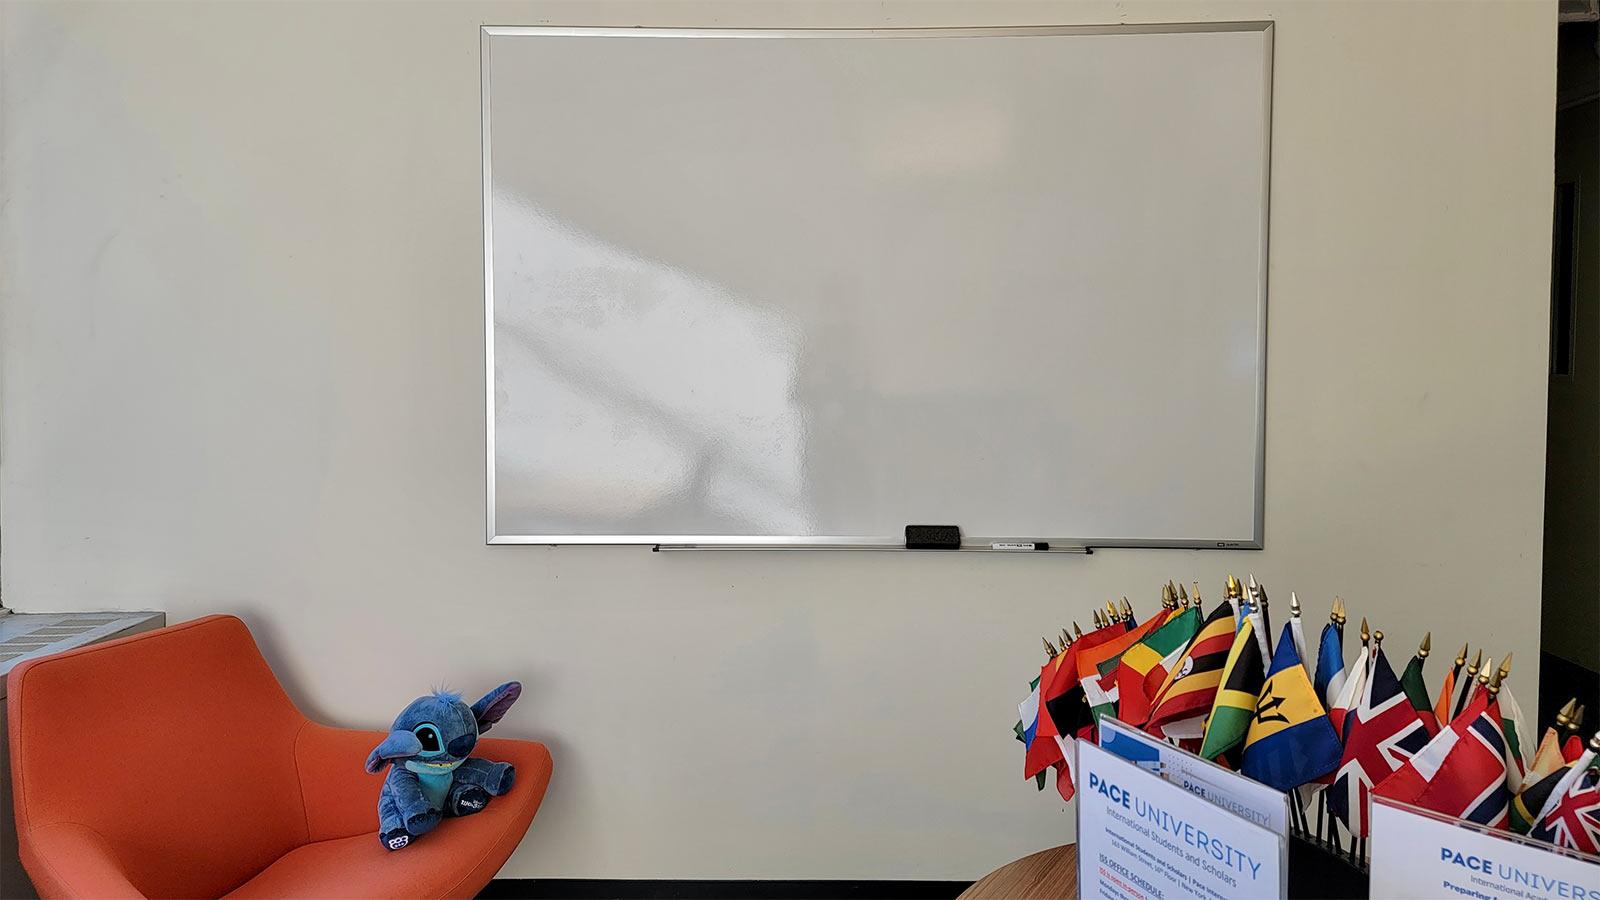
<point x="1318" y="871"/>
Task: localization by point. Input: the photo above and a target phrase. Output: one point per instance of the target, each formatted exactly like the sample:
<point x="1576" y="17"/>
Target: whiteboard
<point x="804" y="288"/>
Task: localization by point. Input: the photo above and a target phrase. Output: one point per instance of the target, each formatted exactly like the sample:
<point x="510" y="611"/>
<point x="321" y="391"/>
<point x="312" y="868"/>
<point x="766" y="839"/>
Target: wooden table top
<point x="1047" y="875"/>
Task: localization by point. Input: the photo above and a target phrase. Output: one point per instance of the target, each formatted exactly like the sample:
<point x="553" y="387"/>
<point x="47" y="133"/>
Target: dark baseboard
<point x="624" y="889"/>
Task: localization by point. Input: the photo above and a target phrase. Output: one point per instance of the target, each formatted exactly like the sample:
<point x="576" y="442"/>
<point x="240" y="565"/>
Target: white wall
<point x="242" y="370"/>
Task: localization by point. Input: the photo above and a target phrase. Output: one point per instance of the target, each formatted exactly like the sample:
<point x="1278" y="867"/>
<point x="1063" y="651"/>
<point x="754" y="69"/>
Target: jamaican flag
<point x="1235" y="703"/>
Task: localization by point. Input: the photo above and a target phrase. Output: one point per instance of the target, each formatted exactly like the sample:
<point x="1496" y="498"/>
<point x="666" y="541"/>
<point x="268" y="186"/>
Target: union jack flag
<point x="1381" y="733"/>
<point x="1575" y="821"/>
<point x="1462" y="771"/>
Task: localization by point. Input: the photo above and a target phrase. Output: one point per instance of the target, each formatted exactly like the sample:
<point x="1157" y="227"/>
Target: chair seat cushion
<point x="454" y="860"/>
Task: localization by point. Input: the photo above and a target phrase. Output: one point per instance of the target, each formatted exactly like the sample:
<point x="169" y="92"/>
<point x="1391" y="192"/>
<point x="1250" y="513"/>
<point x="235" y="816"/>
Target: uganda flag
<point x="1290" y="742"/>
<point x="1140" y="671"/>
<point x="1235" y="703"/>
<point x="1186" y="695"/>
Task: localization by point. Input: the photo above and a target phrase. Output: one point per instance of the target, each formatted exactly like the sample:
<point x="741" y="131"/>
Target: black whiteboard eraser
<point x="933" y="537"/>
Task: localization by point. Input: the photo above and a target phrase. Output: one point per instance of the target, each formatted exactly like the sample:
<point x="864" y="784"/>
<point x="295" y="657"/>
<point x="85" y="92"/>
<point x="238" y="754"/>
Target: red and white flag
<point x="1462" y="771"/>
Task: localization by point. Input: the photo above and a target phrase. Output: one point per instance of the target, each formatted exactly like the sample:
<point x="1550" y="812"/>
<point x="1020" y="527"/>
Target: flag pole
<point x="1260" y="600"/>
<point x="1461" y="660"/>
<point x="1466" y="686"/>
<point x="1366" y="640"/>
<point x="1326" y="830"/>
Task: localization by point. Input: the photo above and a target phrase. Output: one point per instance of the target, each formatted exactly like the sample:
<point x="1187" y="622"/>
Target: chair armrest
<point x="66" y="859"/>
<point x="340" y="798"/>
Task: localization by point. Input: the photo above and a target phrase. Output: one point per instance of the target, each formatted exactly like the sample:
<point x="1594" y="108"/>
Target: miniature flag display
<point x="1328" y="734"/>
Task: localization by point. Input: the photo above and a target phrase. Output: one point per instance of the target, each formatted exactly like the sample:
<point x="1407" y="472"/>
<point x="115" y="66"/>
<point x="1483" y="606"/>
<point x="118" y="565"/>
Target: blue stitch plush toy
<point x="430" y="775"/>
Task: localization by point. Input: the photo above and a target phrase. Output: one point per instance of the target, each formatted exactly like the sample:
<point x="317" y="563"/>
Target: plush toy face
<point x="433" y="734"/>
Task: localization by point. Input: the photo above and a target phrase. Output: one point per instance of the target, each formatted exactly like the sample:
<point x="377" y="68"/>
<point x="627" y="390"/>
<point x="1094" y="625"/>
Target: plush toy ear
<point x="397" y="745"/>
<point x="494" y="704"/>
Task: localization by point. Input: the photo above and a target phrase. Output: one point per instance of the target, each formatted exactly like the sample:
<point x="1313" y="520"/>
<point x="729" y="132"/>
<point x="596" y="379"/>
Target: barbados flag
<point x="1291" y="741"/>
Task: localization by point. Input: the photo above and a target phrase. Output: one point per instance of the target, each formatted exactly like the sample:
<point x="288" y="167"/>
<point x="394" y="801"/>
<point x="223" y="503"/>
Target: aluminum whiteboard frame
<point x="887" y="542"/>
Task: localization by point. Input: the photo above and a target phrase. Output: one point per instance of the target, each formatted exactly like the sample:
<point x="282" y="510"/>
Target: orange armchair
<point x="172" y="764"/>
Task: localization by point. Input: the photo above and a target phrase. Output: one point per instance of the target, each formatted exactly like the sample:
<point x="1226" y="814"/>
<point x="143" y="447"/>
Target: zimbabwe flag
<point x="1141" y="671"/>
<point x="1188" y="691"/>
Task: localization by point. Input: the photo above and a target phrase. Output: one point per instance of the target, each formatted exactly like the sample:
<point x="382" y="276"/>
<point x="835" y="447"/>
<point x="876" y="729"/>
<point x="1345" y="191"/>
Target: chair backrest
<point x="176" y="746"/>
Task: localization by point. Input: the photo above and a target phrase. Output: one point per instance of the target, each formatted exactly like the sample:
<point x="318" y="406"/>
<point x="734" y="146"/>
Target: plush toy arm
<point x="403" y="790"/>
<point x="494" y="777"/>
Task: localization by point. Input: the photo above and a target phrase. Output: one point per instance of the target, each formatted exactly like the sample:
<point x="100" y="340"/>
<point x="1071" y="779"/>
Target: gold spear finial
<point x="1076" y="631"/>
<point x="1196" y="599"/>
<point x="1483" y="672"/>
<point x="1461" y="658"/>
<point x="1127" y="610"/>
<point x="1577" y="718"/>
<point x="1166" y="598"/>
<point x="1564" y="714"/>
<point x="1049" y="649"/>
<point x="1477" y="662"/>
<point x="1505" y="669"/>
<point x="1425" y="646"/>
<point x="1494" y="683"/>
<point x="1066" y="639"/>
<point x="1183" y="595"/>
<point x="1111" y="611"/>
<point x="1172" y="591"/>
<point x="1099" y="617"/>
<point x="1338" y="611"/>
<point x="1231" y="589"/>
<point x="1294" y="605"/>
<point x="1365" y="634"/>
